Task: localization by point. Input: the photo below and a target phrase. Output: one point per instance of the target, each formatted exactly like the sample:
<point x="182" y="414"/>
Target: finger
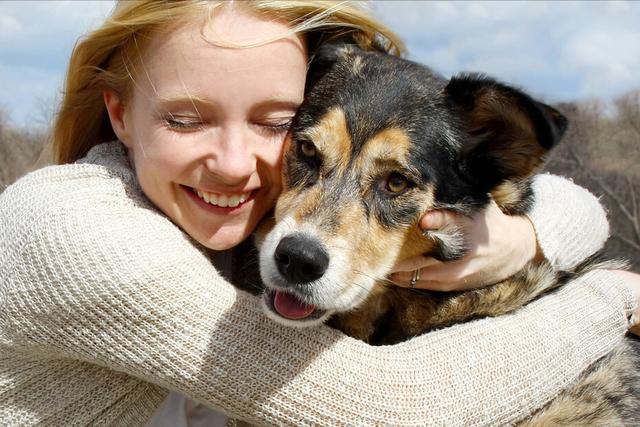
<point x="434" y="220"/>
<point x="404" y="281"/>
<point x="414" y="263"/>
<point x="451" y="271"/>
<point x="404" y="278"/>
<point x="451" y="276"/>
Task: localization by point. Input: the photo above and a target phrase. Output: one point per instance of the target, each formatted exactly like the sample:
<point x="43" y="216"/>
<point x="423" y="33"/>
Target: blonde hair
<point x="106" y="58"/>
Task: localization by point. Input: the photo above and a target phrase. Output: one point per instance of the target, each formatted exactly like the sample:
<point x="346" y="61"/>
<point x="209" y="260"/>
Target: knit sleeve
<point x="570" y="222"/>
<point x="117" y="285"/>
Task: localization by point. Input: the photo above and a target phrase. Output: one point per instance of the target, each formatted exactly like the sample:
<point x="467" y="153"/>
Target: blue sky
<point x="556" y="50"/>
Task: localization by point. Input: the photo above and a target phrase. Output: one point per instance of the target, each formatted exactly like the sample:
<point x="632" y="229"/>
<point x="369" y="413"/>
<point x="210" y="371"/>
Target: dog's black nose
<point x="301" y="259"/>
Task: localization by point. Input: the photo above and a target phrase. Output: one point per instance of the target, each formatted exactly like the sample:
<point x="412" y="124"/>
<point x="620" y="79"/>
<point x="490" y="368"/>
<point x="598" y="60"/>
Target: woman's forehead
<point x="230" y="27"/>
<point x="188" y="62"/>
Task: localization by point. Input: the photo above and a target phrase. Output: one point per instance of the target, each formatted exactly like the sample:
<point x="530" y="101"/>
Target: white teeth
<point x="223" y="200"/>
<point x="234" y="201"/>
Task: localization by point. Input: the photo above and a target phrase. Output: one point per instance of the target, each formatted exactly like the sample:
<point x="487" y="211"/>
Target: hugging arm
<point x="104" y="281"/>
<point x="569" y="221"/>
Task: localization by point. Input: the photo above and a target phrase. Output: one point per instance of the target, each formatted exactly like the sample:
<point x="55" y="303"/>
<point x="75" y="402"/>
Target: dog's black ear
<point x="324" y="59"/>
<point x="510" y="133"/>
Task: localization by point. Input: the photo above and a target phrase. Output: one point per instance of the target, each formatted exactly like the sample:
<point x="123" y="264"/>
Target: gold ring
<point x="414" y="278"/>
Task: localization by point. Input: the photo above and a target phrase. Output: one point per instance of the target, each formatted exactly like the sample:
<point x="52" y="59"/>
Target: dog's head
<point x="378" y="142"/>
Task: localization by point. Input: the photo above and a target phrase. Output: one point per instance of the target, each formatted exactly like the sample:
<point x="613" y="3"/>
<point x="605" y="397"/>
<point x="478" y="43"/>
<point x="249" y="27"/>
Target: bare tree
<point x="19" y="150"/>
<point x="601" y="151"/>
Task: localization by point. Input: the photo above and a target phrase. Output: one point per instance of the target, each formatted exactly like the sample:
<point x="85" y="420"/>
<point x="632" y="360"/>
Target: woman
<point x="109" y="298"/>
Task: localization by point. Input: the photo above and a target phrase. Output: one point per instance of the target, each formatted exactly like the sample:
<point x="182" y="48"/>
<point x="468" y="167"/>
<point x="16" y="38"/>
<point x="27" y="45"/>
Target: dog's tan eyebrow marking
<point x="331" y="138"/>
<point x="390" y="145"/>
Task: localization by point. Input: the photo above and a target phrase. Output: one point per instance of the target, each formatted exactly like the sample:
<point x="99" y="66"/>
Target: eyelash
<point x="181" y="124"/>
<point x="278" y="128"/>
<point x="178" y="124"/>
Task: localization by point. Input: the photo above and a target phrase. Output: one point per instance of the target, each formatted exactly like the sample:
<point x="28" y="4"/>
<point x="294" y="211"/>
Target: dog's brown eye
<point x="308" y="149"/>
<point x="397" y="183"/>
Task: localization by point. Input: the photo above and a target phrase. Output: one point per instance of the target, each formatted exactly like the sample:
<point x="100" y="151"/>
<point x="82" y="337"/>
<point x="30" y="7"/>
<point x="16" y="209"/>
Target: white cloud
<point x="40" y="24"/>
<point x="36" y="39"/>
<point x="28" y="93"/>
<point x="607" y="60"/>
<point x="559" y="50"/>
<point x="562" y="50"/>
<point x="8" y="26"/>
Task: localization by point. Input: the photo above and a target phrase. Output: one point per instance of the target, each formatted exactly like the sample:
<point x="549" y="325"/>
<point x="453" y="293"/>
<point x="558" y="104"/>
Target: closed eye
<point x="275" y="128"/>
<point x="182" y="123"/>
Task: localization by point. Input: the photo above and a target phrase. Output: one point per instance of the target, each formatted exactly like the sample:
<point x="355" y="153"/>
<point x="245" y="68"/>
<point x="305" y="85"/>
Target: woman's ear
<point x="115" y="109"/>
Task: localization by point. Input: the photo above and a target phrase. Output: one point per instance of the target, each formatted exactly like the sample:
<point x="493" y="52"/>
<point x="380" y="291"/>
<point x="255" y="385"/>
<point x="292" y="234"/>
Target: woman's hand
<point x="498" y="246"/>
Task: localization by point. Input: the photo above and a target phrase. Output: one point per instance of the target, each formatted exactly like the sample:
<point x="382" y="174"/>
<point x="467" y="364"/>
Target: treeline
<point x="601" y="151"/>
<point x="20" y="150"/>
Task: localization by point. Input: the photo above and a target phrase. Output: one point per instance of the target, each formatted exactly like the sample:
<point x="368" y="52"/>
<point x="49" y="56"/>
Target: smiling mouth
<point x="290" y="307"/>
<point x="222" y="200"/>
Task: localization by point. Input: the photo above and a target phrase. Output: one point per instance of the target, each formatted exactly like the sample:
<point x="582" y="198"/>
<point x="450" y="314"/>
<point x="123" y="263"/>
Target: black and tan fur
<point x="377" y="143"/>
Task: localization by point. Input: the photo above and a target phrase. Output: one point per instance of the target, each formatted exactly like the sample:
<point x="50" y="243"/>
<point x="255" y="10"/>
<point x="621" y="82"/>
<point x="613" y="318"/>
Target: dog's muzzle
<point x="300" y="259"/>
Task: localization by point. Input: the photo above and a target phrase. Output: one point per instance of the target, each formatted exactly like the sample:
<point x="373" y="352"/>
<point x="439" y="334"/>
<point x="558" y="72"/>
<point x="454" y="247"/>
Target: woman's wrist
<point x="526" y="240"/>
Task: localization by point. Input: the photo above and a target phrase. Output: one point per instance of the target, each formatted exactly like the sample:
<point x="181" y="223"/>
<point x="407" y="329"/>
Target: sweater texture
<point x="106" y="305"/>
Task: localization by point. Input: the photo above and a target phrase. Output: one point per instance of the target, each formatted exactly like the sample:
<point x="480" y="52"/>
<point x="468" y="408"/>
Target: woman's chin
<point x="225" y="237"/>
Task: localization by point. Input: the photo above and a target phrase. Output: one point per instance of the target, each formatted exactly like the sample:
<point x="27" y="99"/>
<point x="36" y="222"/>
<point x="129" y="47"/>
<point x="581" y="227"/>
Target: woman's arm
<point x="115" y="284"/>
<point x="569" y="221"/>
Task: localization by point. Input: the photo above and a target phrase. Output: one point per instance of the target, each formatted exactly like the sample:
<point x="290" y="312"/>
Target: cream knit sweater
<point x="105" y="305"/>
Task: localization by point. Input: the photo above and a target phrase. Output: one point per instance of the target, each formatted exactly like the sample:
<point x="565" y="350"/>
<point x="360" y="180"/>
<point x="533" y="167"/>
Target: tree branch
<point x="632" y="217"/>
<point x="627" y="241"/>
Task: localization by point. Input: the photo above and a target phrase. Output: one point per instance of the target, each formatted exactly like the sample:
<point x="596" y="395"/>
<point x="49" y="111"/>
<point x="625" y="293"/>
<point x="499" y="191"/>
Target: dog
<point x="378" y="142"/>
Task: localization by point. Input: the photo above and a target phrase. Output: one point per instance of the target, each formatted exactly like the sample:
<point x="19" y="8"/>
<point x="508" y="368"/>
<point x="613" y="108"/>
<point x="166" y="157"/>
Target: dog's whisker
<point x="368" y="276"/>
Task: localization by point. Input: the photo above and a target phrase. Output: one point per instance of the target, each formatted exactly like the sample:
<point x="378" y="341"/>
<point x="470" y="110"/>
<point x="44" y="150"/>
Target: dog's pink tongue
<point x="291" y="307"/>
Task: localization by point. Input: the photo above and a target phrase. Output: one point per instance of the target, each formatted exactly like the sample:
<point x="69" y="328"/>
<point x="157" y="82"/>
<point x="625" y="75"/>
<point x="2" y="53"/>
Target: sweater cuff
<point x="569" y="221"/>
<point x="611" y="288"/>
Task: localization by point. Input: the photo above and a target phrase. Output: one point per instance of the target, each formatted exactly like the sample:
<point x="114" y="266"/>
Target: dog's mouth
<point x="290" y="307"/>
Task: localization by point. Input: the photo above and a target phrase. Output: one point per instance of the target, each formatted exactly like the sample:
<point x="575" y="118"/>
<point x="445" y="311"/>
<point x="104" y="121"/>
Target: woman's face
<point x="205" y="124"/>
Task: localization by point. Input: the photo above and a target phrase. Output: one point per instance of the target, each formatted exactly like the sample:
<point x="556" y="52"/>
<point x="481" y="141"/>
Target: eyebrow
<point x="182" y="99"/>
<point x="282" y="102"/>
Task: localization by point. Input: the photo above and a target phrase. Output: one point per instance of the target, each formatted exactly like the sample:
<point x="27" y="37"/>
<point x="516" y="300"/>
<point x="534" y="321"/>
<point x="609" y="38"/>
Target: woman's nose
<point x="232" y="158"/>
